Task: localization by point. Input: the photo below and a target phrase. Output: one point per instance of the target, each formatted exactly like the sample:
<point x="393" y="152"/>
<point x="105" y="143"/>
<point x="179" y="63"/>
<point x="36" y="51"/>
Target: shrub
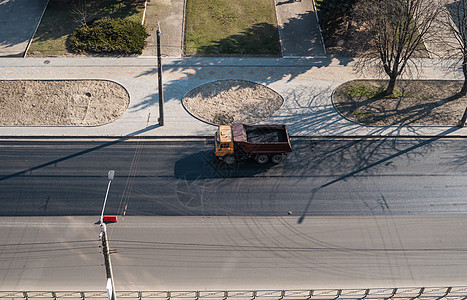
<point x="109" y="35"/>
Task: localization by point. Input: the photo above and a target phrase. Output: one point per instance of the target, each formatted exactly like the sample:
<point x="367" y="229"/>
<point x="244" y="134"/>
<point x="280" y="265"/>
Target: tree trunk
<point x="392" y="83"/>
<point x="464" y="117"/>
<point x="463" y="91"/>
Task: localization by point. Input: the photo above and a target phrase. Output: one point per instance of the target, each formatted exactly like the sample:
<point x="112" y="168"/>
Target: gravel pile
<point x="229" y="101"/>
<point x="61" y="102"/>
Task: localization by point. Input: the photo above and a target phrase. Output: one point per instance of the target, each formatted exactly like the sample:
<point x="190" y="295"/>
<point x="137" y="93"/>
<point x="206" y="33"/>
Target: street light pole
<point x="105" y="245"/>
<point x="159" y="76"/>
<point x="110" y="176"/>
<point x="108" y="264"/>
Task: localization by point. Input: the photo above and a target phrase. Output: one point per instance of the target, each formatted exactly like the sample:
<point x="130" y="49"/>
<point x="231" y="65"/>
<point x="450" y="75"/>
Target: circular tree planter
<point x="229" y="101"/>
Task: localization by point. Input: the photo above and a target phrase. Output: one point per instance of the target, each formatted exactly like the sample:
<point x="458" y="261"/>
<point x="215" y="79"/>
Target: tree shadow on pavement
<point x="364" y="157"/>
<point x="186" y="74"/>
<point x="19" y="20"/>
<point x="301" y="36"/>
<point x="76" y="154"/>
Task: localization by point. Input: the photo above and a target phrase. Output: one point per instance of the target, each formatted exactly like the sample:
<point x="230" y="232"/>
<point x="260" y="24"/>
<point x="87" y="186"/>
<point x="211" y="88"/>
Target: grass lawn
<point x="61" y="18"/>
<point x="231" y="27"/>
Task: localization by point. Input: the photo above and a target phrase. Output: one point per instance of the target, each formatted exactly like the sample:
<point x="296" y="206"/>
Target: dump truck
<point x="263" y="143"/>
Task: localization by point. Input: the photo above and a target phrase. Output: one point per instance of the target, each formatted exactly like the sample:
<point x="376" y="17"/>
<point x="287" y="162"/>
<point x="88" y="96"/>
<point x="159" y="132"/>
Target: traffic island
<point x="414" y="102"/>
<point x="61" y="102"/>
<point x="225" y="102"/>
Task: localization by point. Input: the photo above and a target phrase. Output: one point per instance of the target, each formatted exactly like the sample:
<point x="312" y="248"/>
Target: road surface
<point x="328" y="177"/>
<point x="234" y="253"/>
<point x="335" y="214"/>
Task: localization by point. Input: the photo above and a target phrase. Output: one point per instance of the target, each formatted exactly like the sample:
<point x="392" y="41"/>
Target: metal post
<point x="108" y="263"/>
<point x="159" y="76"/>
<point x="110" y="176"/>
<point x="105" y="244"/>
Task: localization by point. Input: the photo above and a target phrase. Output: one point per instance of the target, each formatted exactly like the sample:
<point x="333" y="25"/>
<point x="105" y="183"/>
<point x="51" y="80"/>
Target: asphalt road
<point x="182" y="178"/>
<point x="234" y="253"/>
<point x="334" y="214"/>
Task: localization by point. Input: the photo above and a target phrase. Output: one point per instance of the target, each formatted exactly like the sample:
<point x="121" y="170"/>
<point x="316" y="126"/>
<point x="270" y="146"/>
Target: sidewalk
<point x="306" y="84"/>
<point x="297" y="22"/>
<point x="305" y="78"/>
<point x="299" y="30"/>
<point x="170" y="15"/>
<point x="440" y="41"/>
<point x="18" y="22"/>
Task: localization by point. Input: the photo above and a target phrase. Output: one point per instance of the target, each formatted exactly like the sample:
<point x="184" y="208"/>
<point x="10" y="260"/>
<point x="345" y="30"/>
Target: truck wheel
<point x="262" y="158"/>
<point x="229" y="160"/>
<point x="276" y="158"/>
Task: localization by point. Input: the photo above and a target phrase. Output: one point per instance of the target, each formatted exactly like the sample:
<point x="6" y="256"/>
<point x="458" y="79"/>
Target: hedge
<point x="109" y="35"/>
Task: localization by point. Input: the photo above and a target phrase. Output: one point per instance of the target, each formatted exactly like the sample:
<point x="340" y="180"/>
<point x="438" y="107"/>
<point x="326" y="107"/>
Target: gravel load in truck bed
<point x="270" y="134"/>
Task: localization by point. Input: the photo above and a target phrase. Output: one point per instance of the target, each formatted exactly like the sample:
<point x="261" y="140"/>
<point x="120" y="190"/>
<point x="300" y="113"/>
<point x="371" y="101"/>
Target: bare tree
<point x="455" y="22"/>
<point x="397" y="29"/>
<point x="82" y="13"/>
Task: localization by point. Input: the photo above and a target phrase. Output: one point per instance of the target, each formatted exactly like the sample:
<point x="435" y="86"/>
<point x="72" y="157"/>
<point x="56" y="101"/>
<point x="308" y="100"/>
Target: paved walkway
<point x="299" y="30"/>
<point x="440" y="41"/>
<point x="170" y="15"/>
<point x="18" y="22"/>
<point x="297" y="22"/>
<point x="306" y="84"/>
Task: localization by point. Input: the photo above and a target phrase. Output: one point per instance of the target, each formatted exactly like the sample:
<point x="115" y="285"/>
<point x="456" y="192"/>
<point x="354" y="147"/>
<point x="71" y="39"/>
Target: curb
<point x="328" y="137"/>
<point x="182" y="46"/>
<point x="319" y="27"/>
<point x="278" y="29"/>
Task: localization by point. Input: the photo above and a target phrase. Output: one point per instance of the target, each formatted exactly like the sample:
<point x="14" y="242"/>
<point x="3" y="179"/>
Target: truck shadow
<point x="204" y="165"/>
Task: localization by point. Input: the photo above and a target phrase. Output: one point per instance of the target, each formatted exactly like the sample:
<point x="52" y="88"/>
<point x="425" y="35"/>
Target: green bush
<point x="109" y="35"/>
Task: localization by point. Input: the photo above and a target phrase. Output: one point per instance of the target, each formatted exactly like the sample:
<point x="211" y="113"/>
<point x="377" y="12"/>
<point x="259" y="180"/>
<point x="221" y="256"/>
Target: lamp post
<point x="105" y="245"/>
<point x="159" y="76"/>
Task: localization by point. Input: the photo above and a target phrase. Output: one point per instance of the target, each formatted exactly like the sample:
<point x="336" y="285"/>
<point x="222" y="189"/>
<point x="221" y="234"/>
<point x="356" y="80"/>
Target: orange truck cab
<point x="223" y="141"/>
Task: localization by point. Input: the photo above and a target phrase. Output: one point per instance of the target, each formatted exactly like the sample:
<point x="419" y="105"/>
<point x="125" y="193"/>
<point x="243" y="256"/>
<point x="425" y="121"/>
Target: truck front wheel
<point x="262" y="158"/>
<point x="276" y="158"/>
<point x="229" y="160"/>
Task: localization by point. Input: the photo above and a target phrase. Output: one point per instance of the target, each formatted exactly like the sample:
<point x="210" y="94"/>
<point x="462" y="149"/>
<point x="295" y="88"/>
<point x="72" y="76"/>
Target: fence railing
<point x="373" y="293"/>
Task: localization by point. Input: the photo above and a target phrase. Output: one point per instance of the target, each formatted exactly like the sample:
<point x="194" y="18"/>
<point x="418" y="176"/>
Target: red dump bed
<point x="256" y="139"/>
